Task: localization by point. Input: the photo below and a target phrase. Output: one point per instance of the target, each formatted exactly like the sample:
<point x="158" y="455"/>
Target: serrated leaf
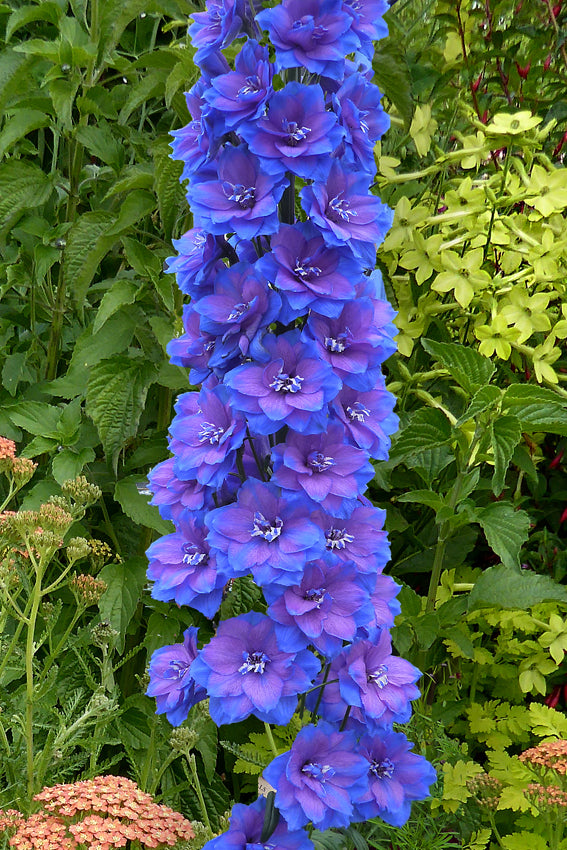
<point x="88" y="243"/>
<point x="24" y="186"/>
<point x="150" y="85"/>
<point x="505" y="434"/>
<point x="35" y="417"/>
<point x="121" y="293"/>
<point x="524" y="840"/>
<point x="328" y="840"/>
<point x="167" y="187"/>
<point x="39" y="445"/>
<point x="509" y="588"/>
<point x="393" y="76"/>
<point x="546" y="722"/>
<point x="116" y="393"/>
<point x="207" y="745"/>
<point x="506" y="530"/>
<point x="244" y="595"/>
<point x="12" y="370"/>
<point x="67" y="463"/>
<point x="469" y="368"/>
<point x="143" y="261"/>
<point x="133" y="177"/>
<point x="125" y="583"/>
<point x="537" y="408"/>
<point x="45" y="11"/>
<point x="101" y="143"/>
<point x="113" y="337"/>
<point x="483" y="399"/>
<point x="135" y="505"/>
<point x="135" y="206"/>
<point x="423" y="497"/>
<point x="63" y="93"/>
<point x="19" y="124"/>
<point x="426" y="429"/>
<point x="12" y="65"/>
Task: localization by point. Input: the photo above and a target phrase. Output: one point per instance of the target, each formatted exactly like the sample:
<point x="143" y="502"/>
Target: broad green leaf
<point x="133" y="177"/>
<point x="506" y="433"/>
<point x="546" y="722"/>
<point x="162" y="630"/>
<point x="68" y="463"/>
<point x="430" y="463"/>
<point x="24" y="186"/>
<point x="121" y="293"/>
<point x="112" y="338"/>
<point x="18" y="125"/>
<point x="483" y="399"/>
<point x="424" y="497"/>
<point x="100" y="142"/>
<point x="45" y="11"/>
<point x="150" y="85"/>
<point x="39" y="445"/>
<point x="469" y="368"/>
<point x="13" y="370"/>
<point x="169" y="191"/>
<point x="393" y="76"/>
<point x="207" y="745"/>
<point x="12" y="66"/>
<point x="537" y="408"/>
<point x="524" y="841"/>
<point x="426" y="429"/>
<point x="63" y="93"/>
<point x="426" y="629"/>
<point x="135" y="505"/>
<point x="506" y="530"/>
<point x="143" y="261"/>
<point x="509" y="588"/>
<point x="39" y="47"/>
<point x="88" y="243"/>
<point x="119" y="601"/>
<point x="135" y="206"/>
<point x="35" y="417"/>
<point x="116" y="394"/>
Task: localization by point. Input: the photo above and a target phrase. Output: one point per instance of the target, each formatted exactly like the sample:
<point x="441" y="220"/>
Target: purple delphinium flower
<point x="246" y="827"/>
<point x="196" y="262"/>
<point x="184" y="569"/>
<point x="245" y="672"/>
<point x="217" y="27"/>
<point x="315" y="34"/>
<point x="292" y="387"/>
<point x="241" y="94"/>
<point x="206" y="433"/>
<point x="297" y="134"/>
<point x="192" y="350"/>
<point x="308" y="272"/>
<point x="199" y="140"/>
<point x="368" y="418"/>
<point x="355" y="343"/>
<point x="377" y="685"/>
<point x="361" y="115"/>
<point x="239" y="197"/>
<point x="360" y="537"/>
<point x="368" y="22"/>
<point x="171" y="682"/>
<point x="346" y="211"/>
<point x="324" y="608"/>
<point x="240" y="305"/>
<point x="396" y="776"/>
<point x="323" y="466"/>
<point x="386" y="608"/>
<point x="319" y="779"/>
<point x="266" y="533"/>
<point x="172" y="495"/>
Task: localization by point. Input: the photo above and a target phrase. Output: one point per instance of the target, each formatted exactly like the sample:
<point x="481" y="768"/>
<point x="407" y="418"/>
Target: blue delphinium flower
<point x="358" y="537"/>
<point x="192" y="350"/>
<point x="184" y="569"/>
<point x="324" y="609"/>
<point x="246" y="828"/>
<point x="206" y="433"/>
<point x="364" y="121"/>
<point x="368" y="22"/>
<point x="239" y="197"/>
<point x="368" y="418"/>
<point x="198" y="257"/>
<point x="396" y="776"/>
<point x="292" y="386"/>
<point x="245" y="672"/>
<point x="314" y="34"/>
<point x="241" y="94"/>
<point x="171" y="682"/>
<point x="172" y="495"/>
<point x="320" y="779"/>
<point x="218" y="26"/>
<point x="265" y="532"/>
<point x="297" y="134"/>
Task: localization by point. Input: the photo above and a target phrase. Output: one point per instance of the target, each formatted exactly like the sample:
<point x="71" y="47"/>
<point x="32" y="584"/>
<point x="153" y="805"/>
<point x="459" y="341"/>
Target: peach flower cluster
<point x="546" y="796"/>
<point x="100" y="814"/>
<point x="485" y="789"/>
<point x="550" y="754"/>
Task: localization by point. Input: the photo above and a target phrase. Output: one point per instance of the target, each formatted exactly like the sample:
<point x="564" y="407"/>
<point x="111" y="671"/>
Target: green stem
<point x="273" y="747"/>
<point x="109" y="528"/>
<point x="145" y="774"/>
<point x="502" y="188"/>
<point x="197" y="785"/>
<point x="53" y="655"/>
<point x="36" y="599"/>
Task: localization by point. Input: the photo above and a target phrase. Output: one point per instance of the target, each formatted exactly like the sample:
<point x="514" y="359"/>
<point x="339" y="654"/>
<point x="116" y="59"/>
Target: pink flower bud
<point x="523" y="71"/>
<point x="547" y="62"/>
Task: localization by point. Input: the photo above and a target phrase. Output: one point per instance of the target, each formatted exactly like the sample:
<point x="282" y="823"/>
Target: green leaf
<point x="135" y="505"/>
<point x="19" y="124"/>
<point x="207" y="745"/>
<point x="116" y="393"/>
<point x="162" y="630"/>
<point x="143" y="261"/>
<point x="469" y="368"/>
<point x="45" y="11"/>
<point x="88" y="243"/>
<point x="430" y="463"/>
<point x="12" y="370"/>
<point x="546" y="722"/>
<point x="483" y="399"/>
<point x="119" y="601"/>
<point x="328" y="840"/>
<point x="24" y="186"/>
<point x="100" y="142"/>
<point x="35" y="417"/>
<point x="426" y="629"/>
<point x="62" y="94"/>
<point x="524" y="840"/>
<point x="426" y="429"/>
<point x="505" y="433"/>
<point x="112" y="338"/>
<point x="150" y="85"/>
<point x="393" y="76"/>
<point x="39" y="445"/>
<point x="424" y="497"/>
<point x="506" y="530"/>
<point x="508" y="588"/>
<point x="135" y="206"/>
<point x="12" y="67"/>
<point x="537" y="408"/>
<point x="121" y="293"/>
<point x="68" y="463"/>
<point x="169" y="191"/>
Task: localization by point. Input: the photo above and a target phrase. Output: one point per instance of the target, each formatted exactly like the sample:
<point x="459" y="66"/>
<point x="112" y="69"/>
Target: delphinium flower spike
<point x="287" y="330"/>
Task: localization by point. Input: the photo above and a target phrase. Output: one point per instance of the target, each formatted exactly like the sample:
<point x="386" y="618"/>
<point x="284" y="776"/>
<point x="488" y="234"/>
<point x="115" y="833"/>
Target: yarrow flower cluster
<point x="286" y="330"/>
<point x="100" y="813"/>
